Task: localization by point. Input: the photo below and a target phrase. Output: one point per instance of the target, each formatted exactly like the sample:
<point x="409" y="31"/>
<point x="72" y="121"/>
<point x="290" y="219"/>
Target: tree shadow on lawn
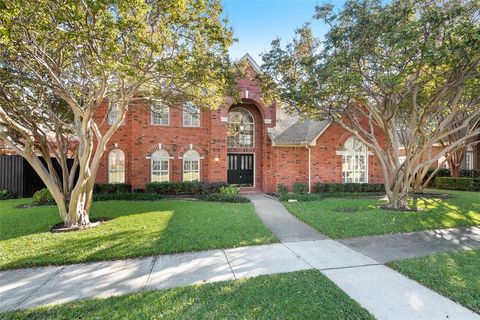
<point x="18" y="222"/>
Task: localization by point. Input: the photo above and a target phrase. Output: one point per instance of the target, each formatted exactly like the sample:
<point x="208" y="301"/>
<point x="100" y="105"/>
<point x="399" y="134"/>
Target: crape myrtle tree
<point x="61" y="60"/>
<point x="396" y="76"/>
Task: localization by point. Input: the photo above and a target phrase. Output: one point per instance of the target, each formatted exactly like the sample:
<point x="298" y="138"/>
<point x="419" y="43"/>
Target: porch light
<point x="216" y="159"/>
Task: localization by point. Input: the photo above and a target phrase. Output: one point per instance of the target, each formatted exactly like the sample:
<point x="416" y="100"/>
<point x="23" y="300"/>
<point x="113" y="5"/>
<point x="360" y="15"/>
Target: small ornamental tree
<point x="62" y="60"/>
<point x="396" y="76"/>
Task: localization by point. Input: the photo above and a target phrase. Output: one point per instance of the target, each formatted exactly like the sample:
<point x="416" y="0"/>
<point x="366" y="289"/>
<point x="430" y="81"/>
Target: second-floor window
<point x="191" y="115"/>
<point x="113" y="112"/>
<point x="160" y="114"/>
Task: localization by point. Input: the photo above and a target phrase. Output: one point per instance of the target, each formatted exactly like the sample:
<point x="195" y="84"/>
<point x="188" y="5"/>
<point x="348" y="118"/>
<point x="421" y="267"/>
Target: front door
<point x="240" y="169"/>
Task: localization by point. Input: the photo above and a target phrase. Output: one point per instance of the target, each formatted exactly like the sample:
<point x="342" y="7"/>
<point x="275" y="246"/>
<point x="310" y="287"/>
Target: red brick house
<point x="249" y="144"/>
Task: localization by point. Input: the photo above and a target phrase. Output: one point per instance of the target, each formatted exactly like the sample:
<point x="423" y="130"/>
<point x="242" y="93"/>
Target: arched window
<point x="355" y="162"/>
<point x="159" y="166"/>
<point x="191" y="166"/>
<point x="240" y="129"/>
<point x="116" y="166"/>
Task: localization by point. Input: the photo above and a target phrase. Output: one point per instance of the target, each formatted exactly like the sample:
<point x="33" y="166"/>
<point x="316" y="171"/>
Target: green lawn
<point x="136" y="228"/>
<point x="355" y="217"/>
<point x="455" y="275"/>
<point x="296" y="295"/>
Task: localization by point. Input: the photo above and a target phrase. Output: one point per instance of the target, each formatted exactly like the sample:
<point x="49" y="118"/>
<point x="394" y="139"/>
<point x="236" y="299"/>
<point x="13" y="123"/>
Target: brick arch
<point x="342" y="139"/>
<point x="191" y="146"/>
<point x="160" y="146"/>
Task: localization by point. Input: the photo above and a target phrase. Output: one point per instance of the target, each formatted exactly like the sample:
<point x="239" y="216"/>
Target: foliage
<point x="5" y="194"/>
<point x="393" y="74"/>
<point x="452" y="183"/>
<point x="299" y="188"/>
<point x="60" y="75"/>
<point x="300" y="196"/>
<point x="349" y="217"/>
<point x="282" y="189"/>
<point x="454" y="275"/>
<point x="127" y="196"/>
<point x="229" y="190"/>
<point x="348" y="187"/>
<point x="132" y="229"/>
<point x="111" y="188"/>
<point x="42" y="197"/>
<point x="184" y="188"/>
<point x="221" y="197"/>
<point x="293" y="295"/>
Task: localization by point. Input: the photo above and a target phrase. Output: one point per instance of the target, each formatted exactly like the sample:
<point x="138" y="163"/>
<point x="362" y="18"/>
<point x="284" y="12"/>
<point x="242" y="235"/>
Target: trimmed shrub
<point x="127" y="196"/>
<point x="229" y="190"/>
<point x="5" y="195"/>
<point x="301" y="197"/>
<point x="282" y="189"/>
<point x="220" y="197"/>
<point x="451" y="183"/>
<point x="112" y="188"/>
<point x="184" y="188"/>
<point x="348" y="187"/>
<point x="42" y="197"/>
<point x="300" y="188"/>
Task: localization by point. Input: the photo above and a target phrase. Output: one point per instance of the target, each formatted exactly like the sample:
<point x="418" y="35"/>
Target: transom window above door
<point x="240" y="129"/>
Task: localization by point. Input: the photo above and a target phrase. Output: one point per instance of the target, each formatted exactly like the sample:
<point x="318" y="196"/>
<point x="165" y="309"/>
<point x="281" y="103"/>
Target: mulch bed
<point x="94" y="222"/>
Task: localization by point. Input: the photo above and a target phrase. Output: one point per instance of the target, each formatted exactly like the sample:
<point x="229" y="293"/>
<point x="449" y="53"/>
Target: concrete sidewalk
<point x="415" y="244"/>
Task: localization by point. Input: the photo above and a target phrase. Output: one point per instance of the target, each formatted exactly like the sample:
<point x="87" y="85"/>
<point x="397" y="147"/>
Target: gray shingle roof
<point x="302" y="132"/>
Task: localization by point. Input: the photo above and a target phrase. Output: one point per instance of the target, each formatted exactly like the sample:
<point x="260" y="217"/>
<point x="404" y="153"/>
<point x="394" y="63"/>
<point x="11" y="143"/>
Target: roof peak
<point x="252" y="62"/>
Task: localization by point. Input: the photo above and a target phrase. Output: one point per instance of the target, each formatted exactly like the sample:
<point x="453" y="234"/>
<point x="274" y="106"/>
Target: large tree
<point x="396" y="76"/>
<point x="62" y="60"/>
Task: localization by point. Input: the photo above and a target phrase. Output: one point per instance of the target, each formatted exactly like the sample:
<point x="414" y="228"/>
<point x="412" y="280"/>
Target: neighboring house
<point x="249" y="144"/>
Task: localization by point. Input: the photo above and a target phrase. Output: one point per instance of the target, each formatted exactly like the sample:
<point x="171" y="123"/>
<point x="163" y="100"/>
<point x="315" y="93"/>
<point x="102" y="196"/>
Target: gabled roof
<point x="301" y="133"/>
<point x="251" y="61"/>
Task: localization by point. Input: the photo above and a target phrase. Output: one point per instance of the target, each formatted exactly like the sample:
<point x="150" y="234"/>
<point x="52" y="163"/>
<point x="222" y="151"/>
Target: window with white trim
<point x="114" y="112"/>
<point x="355" y="162"/>
<point x="160" y="114"/>
<point x="191" y="166"/>
<point x="191" y="115"/>
<point x="159" y="166"/>
<point x="240" y="129"/>
<point x="116" y="166"/>
<point x="469" y="159"/>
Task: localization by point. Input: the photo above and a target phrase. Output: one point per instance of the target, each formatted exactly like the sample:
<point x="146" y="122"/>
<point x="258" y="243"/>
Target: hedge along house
<point x="249" y="144"/>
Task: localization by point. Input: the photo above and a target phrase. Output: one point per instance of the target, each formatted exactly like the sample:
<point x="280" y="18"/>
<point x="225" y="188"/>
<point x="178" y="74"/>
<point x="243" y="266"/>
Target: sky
<point x="257" y="22"/>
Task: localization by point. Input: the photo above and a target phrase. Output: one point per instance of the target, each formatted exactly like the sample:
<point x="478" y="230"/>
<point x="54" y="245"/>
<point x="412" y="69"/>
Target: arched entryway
<point x="244" y="145"/>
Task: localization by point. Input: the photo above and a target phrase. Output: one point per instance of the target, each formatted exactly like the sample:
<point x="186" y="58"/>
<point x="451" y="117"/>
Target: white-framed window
<point x="160" y="114"/>
<point x="159" y="166"/>
<point x="241" y="129"/>
<point x="114" y="112"/>
<point x="191" y="115"/>
<point x="191" y="166"/>
<point x="355" y="162"/>
<point x="469" y="159"/>
<point x="116" y="166"/>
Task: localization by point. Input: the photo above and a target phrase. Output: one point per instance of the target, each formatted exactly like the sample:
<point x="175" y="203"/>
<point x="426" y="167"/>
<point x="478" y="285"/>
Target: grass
<point x="136" y="228"/>
<point x="296" y="295"/>
<point x="356" y="217"/>
<point x="455" y="275"/>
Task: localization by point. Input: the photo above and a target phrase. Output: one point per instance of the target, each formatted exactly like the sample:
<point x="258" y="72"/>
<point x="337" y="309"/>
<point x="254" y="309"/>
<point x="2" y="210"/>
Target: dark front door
<point x="240" y="169"/>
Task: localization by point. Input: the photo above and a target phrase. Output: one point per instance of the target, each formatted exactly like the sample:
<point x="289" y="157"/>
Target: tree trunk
<point x="78" y="209"/>
<point x="455" y="170"/>
<point x="398" y="201"/>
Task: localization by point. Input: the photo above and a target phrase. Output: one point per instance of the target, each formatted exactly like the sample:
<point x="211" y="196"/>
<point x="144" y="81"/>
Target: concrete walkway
<point x="415" y="244"/>
<point x="382" y="291"/>
<point x="285" y="226"/>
